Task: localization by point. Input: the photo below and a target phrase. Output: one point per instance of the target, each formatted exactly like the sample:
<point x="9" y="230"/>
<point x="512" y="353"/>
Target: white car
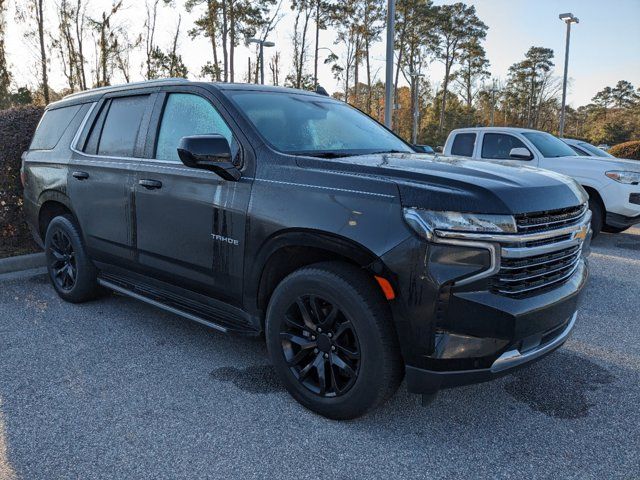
<point x="613" y="184"/>
<point x="586" y="149"/>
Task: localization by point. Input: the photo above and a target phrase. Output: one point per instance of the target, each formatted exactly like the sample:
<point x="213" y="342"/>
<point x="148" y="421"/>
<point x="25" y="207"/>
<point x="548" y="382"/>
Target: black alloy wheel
<point x="330" y="337"/>
<point x="71" y="271"/>
<point x="320" y="346"/>
<point x="63" y="260"/>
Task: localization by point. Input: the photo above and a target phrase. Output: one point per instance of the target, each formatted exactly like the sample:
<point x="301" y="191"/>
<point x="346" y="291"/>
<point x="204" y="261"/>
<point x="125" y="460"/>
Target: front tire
<point x="331" y="340"/>
<point x="71" y="271"/>
<point x="597" y="215"/>
<point x="609" y="229"/>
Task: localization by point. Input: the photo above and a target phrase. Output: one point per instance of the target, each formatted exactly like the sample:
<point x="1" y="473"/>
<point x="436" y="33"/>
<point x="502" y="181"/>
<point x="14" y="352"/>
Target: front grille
<point x="550" y="219"/>
<point x="542" y="263"/>
<point x="528" y="275"/>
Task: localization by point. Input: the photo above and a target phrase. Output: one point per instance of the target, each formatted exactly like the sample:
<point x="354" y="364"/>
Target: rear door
<point x="190" y="223"/>
<point x="102" y="172"/>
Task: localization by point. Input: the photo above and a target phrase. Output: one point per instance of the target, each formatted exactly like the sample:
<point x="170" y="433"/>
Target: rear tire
<point x="331" y="340"/>
<point x="71" y="271"/>
<point x="597" y="215"/>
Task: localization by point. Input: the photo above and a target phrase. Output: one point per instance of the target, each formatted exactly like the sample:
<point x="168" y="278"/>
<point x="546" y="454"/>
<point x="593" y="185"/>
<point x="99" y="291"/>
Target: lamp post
<point x="567" y="18"/>
<point x="262" y="43"/>
<point x="388" y="88"/>
<point x="414" y="126"/>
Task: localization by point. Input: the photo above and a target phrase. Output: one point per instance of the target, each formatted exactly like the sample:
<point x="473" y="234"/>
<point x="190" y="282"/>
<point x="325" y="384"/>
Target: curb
<point x="22" y="262"/>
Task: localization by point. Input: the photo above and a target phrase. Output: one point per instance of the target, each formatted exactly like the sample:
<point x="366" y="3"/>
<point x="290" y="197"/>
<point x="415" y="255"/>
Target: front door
<point x="496" y="146"/>
<point x="190" y="223"/>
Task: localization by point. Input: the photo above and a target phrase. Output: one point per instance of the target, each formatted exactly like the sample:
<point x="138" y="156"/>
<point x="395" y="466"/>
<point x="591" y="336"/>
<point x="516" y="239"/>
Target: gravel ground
<point x="120" y="390"/>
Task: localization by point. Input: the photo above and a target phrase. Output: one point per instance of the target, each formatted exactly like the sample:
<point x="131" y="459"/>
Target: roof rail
<point x="115" y="87"/>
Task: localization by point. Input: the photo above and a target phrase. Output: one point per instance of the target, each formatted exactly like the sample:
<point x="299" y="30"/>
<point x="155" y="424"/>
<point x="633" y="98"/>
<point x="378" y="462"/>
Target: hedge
<point x="626" y="150"/>
<point x="16" y="129"/>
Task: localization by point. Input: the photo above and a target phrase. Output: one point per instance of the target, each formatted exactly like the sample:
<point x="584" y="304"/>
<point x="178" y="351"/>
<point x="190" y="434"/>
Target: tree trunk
<point x="302" y="49"/>
<point x="225" y="52"/>
<point x="232" y="38"/>
<point x="80" y="58"/>
<point x="211" y="27"/>
<point x="43" y="52"/>
<point x="445" y="87"/>
<point x="356" y="72"/>
<point x="315" y="53"/>
<point x="369" y="94"/>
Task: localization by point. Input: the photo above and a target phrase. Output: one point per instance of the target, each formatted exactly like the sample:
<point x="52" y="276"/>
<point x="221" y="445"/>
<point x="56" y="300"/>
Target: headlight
<point x="424" y="222"/>
<point x="630" y="178"/>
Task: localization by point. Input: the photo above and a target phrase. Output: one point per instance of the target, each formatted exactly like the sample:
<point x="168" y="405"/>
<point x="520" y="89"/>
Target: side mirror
<point x="423" y="149"/>
<point x="520" y="153"/>
<point x="208" y="152"/>
<point x="438" y="149"/>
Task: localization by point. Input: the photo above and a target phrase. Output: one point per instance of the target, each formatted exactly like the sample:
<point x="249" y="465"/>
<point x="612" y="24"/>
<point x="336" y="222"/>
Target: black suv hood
<point x="463" y="185"/>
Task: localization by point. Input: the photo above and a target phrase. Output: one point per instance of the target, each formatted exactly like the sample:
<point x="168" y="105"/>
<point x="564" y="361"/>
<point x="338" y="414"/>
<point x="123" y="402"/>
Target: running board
<point x="157" y="303"/>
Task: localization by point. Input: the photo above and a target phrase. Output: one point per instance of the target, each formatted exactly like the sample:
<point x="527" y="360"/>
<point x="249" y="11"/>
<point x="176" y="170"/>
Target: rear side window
<point x="52" y="127"/>
<point x="463" y="144"/>
<point x="116" y="130"/>
<point x="499" y="145"/>
<point x="94" y="137"/>
<point x="578" y="151"/>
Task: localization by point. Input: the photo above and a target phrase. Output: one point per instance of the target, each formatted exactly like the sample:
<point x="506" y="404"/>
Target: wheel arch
<point x="288" y="251"/>
<point x="52" y="203"/>
<point x="593" y="193"/>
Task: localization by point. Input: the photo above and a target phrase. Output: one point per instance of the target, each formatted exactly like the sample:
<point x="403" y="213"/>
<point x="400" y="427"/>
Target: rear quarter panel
<point x="46" y="171"/>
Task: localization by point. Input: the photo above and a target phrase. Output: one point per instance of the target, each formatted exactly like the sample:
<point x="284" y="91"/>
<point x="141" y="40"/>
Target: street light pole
<point x="388" y="90"/>
<point x="262" y="44"/>
<point x="567" y="18"/>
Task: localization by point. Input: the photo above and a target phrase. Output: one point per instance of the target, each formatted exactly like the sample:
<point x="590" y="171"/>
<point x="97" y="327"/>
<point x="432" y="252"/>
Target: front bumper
<point x="429" y="381"/>
<point x="455" y="331"/>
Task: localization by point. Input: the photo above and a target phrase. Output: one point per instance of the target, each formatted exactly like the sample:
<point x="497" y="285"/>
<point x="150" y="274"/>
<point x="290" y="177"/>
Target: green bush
<point x="16" y="129"/>
<point x="626" y="150"/>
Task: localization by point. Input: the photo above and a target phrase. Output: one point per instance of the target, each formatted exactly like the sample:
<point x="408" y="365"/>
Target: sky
<point x="605" y="45"/>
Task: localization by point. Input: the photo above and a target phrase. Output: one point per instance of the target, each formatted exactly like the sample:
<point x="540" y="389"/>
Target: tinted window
<point x="94" y="137"/>
<point x="122" y="125"/>
<point x="577" y="150"/>
<point x="185" y="114"/>
<point x="548" y="145"/>
<point x="52" y="127"/>
<point x="498" y="145"/>
<point x="463" y="144"/>
<point x="314" y="125"/>
<point x="594" y="151"/>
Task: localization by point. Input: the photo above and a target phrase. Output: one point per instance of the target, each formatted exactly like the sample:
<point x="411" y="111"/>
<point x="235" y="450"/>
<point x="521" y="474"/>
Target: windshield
<point x="314" y="125"/>
<point x="549" y="146"/>
<point x="595" y="151"/>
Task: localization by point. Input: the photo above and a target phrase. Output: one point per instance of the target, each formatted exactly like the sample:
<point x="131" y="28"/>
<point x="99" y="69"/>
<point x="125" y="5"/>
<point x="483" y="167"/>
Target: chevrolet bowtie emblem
<point x="582" y="233"/>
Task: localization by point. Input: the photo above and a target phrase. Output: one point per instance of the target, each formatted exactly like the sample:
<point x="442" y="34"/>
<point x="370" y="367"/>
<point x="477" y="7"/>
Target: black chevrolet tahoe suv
<point x="277" y="212"/>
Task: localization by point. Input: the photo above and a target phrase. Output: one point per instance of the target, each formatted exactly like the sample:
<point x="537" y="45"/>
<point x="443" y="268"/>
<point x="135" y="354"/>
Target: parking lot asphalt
<point x="120" y="390"/>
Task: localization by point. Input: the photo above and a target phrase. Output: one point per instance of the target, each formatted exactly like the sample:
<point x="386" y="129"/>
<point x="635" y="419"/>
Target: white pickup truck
<point x="613" y="184"/>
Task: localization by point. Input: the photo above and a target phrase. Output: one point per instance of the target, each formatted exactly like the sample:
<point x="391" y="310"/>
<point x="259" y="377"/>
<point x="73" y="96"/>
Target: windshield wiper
<point x="388" y="151"/>
<point x="325" y="154"/>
